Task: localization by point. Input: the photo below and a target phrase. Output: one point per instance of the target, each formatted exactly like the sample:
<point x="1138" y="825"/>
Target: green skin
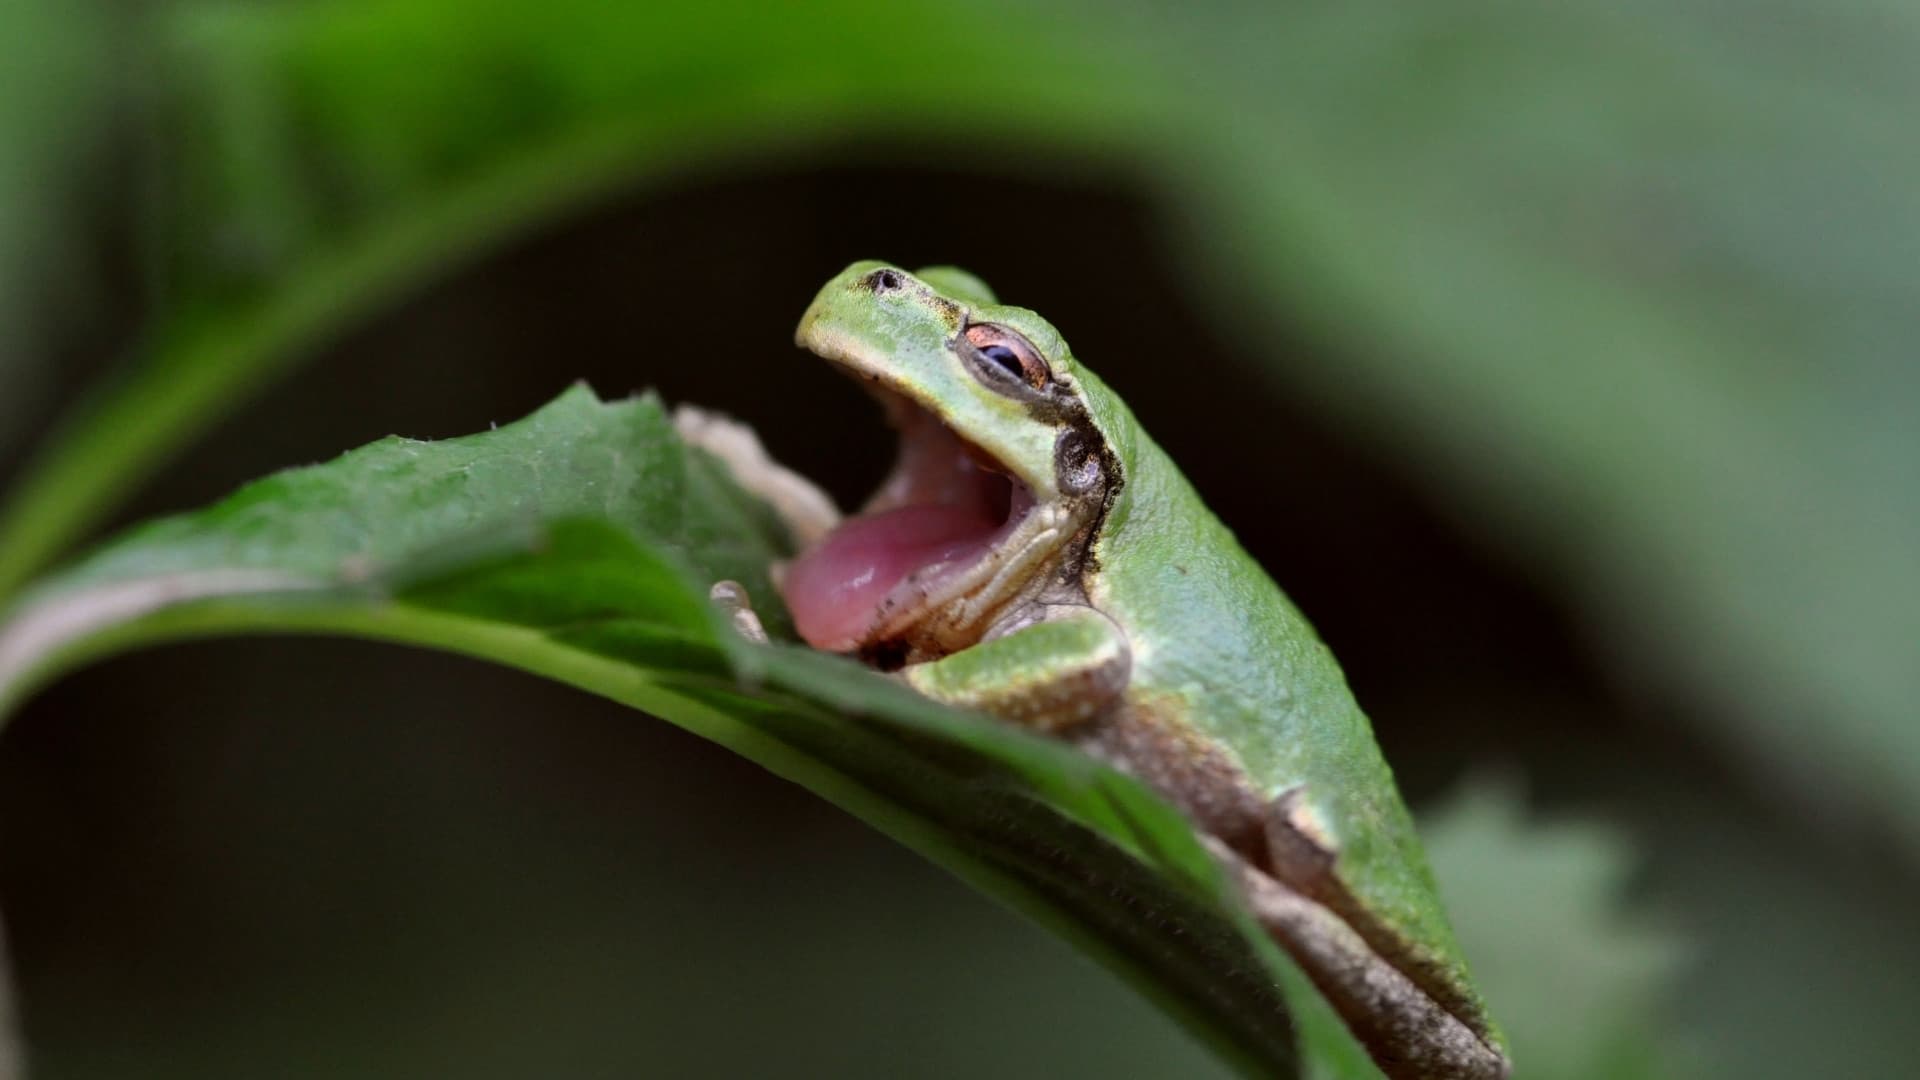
<point x="1139" y="628"/>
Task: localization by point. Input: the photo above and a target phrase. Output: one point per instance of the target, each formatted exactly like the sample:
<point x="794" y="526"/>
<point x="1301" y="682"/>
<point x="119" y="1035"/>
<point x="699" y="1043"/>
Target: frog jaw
<point x="949" y="547"/>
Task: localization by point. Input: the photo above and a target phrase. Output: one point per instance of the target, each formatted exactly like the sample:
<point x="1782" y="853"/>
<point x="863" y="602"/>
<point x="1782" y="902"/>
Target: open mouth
<point x="924" y="540"/>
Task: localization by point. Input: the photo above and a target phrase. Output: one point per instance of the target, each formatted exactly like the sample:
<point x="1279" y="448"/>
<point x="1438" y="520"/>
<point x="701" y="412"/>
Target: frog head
<point x="1000" y="478"/>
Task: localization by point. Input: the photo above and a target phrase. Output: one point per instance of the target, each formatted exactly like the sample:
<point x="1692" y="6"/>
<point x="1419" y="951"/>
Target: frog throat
<point x="950" y="549"/>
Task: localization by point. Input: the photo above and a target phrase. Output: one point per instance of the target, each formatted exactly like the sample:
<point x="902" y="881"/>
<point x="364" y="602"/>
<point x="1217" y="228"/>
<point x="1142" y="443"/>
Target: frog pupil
<point x="1006" y="358"/>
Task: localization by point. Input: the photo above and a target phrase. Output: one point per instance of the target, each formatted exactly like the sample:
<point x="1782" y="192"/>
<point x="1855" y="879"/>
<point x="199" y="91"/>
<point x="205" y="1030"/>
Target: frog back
<point x="1222" y="654"/>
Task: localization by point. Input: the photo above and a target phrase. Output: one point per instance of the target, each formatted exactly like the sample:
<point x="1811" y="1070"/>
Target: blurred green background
<point x="1558" y="361"/>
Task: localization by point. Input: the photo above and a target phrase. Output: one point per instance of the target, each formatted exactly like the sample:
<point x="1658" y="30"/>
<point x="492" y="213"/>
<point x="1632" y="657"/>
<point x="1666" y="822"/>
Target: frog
<point x="1034" y="555"/>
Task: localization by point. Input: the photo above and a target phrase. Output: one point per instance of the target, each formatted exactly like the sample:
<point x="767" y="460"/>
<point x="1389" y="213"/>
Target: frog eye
<point x="999" y="354"/>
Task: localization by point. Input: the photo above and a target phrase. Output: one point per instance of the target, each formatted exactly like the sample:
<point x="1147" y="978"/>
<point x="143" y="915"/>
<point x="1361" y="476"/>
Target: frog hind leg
<point x="1409" y="1034"/>
<point x="1282" y="859"/>
<point x="1067" y="675"/>
<point x="1150" y="739"/>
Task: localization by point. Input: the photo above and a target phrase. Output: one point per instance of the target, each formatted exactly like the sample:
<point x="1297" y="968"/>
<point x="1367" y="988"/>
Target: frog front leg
<point x="1051" y="675"/>
<point x="806" y="511"/>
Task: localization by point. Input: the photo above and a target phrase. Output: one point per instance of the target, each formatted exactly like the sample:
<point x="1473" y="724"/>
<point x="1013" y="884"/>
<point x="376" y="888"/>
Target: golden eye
<point x="1006" y="352"/>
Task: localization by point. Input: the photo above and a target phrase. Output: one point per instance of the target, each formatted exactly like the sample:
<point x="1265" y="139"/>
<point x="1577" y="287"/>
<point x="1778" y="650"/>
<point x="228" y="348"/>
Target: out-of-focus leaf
<point x="573" y="545"/>
<point x="1789" y="931"/>
<point x="1637" y="280"/>
<point x="1581" y="984"/>
<point x="52" y="97"/>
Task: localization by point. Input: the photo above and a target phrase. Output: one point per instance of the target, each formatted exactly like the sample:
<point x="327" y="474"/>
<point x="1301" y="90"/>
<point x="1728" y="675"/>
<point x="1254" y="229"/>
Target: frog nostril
<point x="885" y="280"/>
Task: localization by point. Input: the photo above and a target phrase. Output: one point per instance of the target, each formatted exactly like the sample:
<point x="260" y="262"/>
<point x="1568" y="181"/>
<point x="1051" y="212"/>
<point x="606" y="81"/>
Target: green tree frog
<point x="1035" y="555"/>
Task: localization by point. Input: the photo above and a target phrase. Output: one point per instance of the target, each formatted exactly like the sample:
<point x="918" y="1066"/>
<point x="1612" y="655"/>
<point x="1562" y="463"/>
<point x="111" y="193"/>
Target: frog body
<point x="1037" y="556"/>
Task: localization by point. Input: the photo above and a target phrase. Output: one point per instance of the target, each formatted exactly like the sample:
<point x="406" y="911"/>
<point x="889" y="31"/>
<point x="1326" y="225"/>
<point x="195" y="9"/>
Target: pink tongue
<point x="834" y="590"/>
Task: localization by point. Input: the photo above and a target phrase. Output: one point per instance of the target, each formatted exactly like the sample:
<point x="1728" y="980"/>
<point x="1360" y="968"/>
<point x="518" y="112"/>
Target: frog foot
<point x="732" y="600"/>
<point x="806" y="511"/>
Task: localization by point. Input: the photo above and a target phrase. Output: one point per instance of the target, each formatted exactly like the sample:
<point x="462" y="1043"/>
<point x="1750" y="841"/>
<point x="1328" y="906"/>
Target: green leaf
<point x="575" y="544"/>
<point x="1633" y="284"/>
<point x="1579" y="979"/>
